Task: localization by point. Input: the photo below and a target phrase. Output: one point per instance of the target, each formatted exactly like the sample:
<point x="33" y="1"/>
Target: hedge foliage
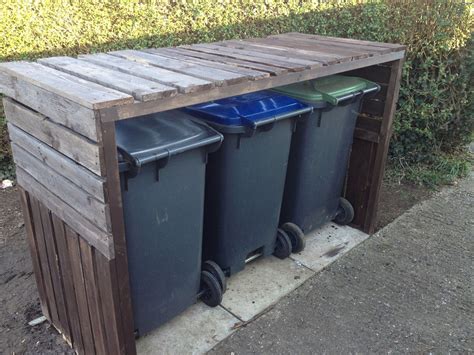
<point x="435" y="113"/>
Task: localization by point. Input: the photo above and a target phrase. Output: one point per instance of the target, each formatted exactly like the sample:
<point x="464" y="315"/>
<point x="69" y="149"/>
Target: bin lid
<point x="152" y="137"/>
<point x="328" y="89"/>
<point x="244" y="109"/>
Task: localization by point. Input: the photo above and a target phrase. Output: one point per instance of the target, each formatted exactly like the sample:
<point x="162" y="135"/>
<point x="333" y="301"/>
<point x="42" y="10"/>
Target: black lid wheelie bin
<point x="162" y="162"/>
<point x="246" y="176"/>
<point x="320" y="151"/>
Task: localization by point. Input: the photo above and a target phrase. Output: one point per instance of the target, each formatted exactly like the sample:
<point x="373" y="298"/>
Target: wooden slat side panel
<point x="63" y="324"/>
<point x="80" y="290"/>
<point x="68" y="284"/>
<point x="379" y="74"/>
<point x="34" y="252"/>
<point x="93" y="297"/>
<point x="95" y="236"/>
<point x="61" y="164"/>
<point x="84" y="203"/>
<point x="74" y="146"/>
<point x="43" y="257"/>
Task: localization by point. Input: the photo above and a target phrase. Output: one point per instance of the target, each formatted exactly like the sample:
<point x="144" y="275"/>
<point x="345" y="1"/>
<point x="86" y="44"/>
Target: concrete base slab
<point x="249" y="294"/>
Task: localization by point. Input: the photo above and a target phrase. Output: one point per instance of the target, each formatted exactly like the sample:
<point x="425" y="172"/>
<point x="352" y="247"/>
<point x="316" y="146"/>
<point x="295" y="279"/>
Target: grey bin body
<point x="163" y="211"/>
<point x="318" y="161"/>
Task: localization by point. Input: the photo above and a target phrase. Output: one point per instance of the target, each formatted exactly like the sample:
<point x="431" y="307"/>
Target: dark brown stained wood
<point x="93" y="297"/>
<point x="278" y="51"/>
<point x="230" y="61"/>
<point x="74" y="146"/>
<point x="143" y="108"/>
<point x="356" y="42"/>
<point x="292" y="64"/>
<point x="366" y="135"/>
<point x="68" y="283"/>
<point x="43" y="257"/>
<point x="110" y="304"/>
<point x="85" y="204"/>
<point x="325" y="48"/>
<point x="118" y="232"/>
<point x="82" y="92"/>
<point x="63" y="324"/>
<point x="382" y="148"/>
<point x="250" y="73"/>
<point x="217" y="76"/>
<point x="373" y="107"/>
<point x="184" y="83"/>
<point x="95" y="236"/>
<point x="376" y="73"/>
<point x="58" y="162"/>
<point x="31" y="238"/>
<point x="80" y="290"/>
<point x="141" y="89"/>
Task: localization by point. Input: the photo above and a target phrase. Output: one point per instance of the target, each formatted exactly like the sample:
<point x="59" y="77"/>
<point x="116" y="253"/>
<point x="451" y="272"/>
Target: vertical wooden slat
<point x="118" y="231"/>
<point x="63" y="325"/>
<point x="80" y="290"/>
<point x="68" y="284"/>
<point x="43" y="257"/>
<point x="30" y="234"/>
<point x="105" y="270"/>
<point x="93" y="296"/>
<point x="382" y="148"/>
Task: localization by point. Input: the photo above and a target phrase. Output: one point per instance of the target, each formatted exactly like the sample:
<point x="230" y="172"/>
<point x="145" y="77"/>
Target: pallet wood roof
<point x="127" y="83"/>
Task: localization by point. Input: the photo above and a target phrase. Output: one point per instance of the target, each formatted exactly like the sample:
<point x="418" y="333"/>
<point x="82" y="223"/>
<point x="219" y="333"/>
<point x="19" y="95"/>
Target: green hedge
<point x="435" y="111"/>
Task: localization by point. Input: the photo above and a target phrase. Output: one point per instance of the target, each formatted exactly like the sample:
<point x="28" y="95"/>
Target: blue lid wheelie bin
<point x="246" y="176"/>
<point x="320" y="151"/>
<point x="162" y="160"/>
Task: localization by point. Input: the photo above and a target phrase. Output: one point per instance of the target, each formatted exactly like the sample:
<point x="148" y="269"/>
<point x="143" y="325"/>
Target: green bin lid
<point x="328" y="89"/>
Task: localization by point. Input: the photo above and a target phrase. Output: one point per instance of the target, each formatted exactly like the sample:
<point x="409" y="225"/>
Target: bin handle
<point x="135" y="164"/>
<point x="347" y="99"/>
<point x="253" y="125"/>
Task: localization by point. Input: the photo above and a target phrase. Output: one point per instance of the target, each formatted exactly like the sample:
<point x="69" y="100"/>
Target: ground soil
<point x="18" y="295"/>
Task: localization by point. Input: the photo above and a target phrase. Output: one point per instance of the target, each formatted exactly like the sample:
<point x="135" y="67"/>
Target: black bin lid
<point x="153" y="137"/>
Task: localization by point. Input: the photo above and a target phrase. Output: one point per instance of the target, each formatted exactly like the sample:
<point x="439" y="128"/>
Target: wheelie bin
<point x="162" y="162"/>
<point x="320" y="151"/>
<point x="246" y="176"/>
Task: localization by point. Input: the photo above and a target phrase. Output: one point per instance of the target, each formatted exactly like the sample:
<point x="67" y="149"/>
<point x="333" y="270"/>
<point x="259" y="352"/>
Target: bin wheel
<point x="282" y="245"/>
<point x="296" y="235"/>
<point x="216" y="271"/>
<point x="212" y="291"/>
<point x="345" y="212"/>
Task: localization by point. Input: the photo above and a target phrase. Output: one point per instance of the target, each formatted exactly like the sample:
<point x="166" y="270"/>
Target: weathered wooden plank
<point x="58" y="162"/>
<point x="376" y="73"/>
<point x="82" y="92"/>
<point x="110" y="300"/>
<point x="217" y="76"/>
<point x="78" y="199"/>
<point x="302" y="43"/>
<point x="63" y="324"/>
<point x="143" y="108"/>
<point x="292" y="64"/>
<point x="34" y="253"/>
<point x="231" y="61"/>
<point x="93" y="300"/>
<point x="95" y="236"/>
<point x="141" y="89"/>
<point x="43" y="257"/>
<point x="357" y="42"/>
<point x="74" y="146"/>
<point x="80" y="290"/>
<point x="252" y="74"/>
<point x="366" y="135"/>
<point x="184" y="83"/>
<point x="68" y="283"/>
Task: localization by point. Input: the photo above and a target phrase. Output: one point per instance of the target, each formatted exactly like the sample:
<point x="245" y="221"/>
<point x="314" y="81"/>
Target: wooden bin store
<point x="61" y="116"/>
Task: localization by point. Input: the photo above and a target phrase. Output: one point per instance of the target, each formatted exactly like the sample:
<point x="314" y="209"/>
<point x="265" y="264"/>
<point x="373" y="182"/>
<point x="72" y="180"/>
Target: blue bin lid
<point x="244" y="109"/>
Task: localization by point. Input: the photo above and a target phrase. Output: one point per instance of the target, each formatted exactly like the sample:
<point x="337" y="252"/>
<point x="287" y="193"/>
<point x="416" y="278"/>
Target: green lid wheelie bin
<point x="320" y="151"/>
<point x="162" y="160"/>
<point x="246" y="176"/>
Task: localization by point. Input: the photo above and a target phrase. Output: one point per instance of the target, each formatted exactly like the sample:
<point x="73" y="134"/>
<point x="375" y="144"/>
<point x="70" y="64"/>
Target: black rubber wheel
<point x="212" y="295"/>
<point x="217" y="272"/>
<point x="345" y="213"/>
<point x="296" y="235"/>
<point x="282" y="245"/>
